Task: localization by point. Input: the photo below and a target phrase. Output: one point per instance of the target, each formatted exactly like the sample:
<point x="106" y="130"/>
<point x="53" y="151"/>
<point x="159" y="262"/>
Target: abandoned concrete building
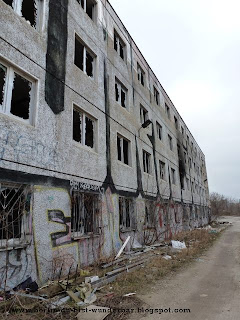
<point x="92" y="149"/>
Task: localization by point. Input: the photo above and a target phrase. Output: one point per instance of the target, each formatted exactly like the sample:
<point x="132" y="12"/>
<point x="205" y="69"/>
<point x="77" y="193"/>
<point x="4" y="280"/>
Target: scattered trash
<point x="91" y="279"/>
<point x="129" y="294"/>
<point x="136" y="244"/>
<point x="167" y="257"/>
<point x="178" y="245"/>
<point x="28" y="285"/>
<point x="122" y="248"/>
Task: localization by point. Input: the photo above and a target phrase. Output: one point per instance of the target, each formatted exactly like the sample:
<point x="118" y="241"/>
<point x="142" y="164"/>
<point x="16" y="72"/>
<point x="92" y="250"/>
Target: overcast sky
<point x="193" y="46"/>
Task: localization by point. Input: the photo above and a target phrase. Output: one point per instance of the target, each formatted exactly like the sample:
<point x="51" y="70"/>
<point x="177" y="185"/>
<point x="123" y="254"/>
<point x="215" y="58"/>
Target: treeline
<point x="224" y="206"/>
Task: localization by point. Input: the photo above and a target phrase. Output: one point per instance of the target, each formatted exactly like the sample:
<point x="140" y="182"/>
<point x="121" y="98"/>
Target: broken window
<point x="167" y="110"/>
<point x="89" y="7"/>
<point x="123" y="146"/>
<point x="173" y="176"/>
<point x="170" y="142"/>
<point x="156" y="95"/>
<point x="31" y="10"/>
<point x="146" y="162"/>
<point x="162" y="170"/>
<point x="14" y="207"/>
<point x="84" y="58"/>
<point x="83" y="128"/>
<point x="159" y="130"/>
<point x="16" y="94"/>
<point x="126" y="214"/>
<point x="119" y="45"/>
<point x="141" y="74"/>
<point x="143" y="114"/>
<point x="85" y="214"/>
<point x="120" y="94"/>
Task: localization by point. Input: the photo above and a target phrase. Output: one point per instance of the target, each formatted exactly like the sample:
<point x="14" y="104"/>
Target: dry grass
<point x="139" y="281"/>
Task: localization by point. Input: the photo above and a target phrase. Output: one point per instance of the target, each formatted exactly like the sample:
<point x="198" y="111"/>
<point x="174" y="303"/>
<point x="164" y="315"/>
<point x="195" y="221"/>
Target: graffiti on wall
<point x="60" y="237"/>
<point x="25" y="149"/>
<point x="83" y="186"/>
<point x="15" y="268"/>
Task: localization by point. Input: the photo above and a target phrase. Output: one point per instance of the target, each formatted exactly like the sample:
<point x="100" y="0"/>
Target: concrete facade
<point x="44" y="165"/>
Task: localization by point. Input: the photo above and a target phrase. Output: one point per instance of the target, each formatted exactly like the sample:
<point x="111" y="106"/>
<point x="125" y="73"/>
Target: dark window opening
<point x="116" y="92"/>
<point x="143" y="114"/>
<point x="123" y="98"/>
<point x="146" y="162"/>
<point x="170" y="142"/>
<point x="162" y="170"/>
<point x="149" y="213"/>
<point x="77" y="119"/>
<point x="85" y="211"/>
<point x="20" y="97"/>
<point x="78" y="58"/>
<point x="159" y="131"/>
<point x="173" y="176"/>
<point x="9" y="2"/>
<point x="82" y="3"/>
<point x="89" y="64"/>
<point x="3" y="72"/>
<point x="125" y="151"/>
<point x="128" y="221"/>
<point x="90" y="8"/>
<point x="89" y="133"/>
<point x="176" y="122"/>
<point x="115" y="42"/>
<point x="119" y="148"/>
<point x="29" y="11"/>
<point x="121" y="48"/>
<point x="156" y="96"/>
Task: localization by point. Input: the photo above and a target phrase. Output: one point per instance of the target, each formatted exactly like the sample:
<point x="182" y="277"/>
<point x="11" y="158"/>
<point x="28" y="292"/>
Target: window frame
<point x="167" y="111"/>
<point x="77" y="234"/>
<point x="156" y="95"/>
<point x="141" y="75"/>
<point x="119" y="41"/>
<point x="84" y="8"/>
<point x="83" y="133"/>
<point x="17" y="8"/>
<point x="5" y="107"/>
<point x="159" y="129"/>
<point x="86" y="50"/>
<point x="119" y="136"/>
<point x="132" y="214"/>
<point x="121" y="88"/>
<point x="145" y="162"/>
<point x="162" y="170"/>
<point x="142" y="110"/>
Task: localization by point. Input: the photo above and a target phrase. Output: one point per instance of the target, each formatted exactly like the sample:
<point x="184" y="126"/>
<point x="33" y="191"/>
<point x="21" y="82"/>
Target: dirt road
<point x="210" y="287"/>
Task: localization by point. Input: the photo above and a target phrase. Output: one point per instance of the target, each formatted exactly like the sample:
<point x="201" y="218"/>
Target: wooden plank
<point x="73" y="296"/>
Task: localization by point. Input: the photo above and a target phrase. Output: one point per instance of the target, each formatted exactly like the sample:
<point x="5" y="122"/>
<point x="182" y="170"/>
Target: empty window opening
<point x="162" y="169"/>
<point x="173" y="176"/>
<point x="190" y="163"/>
<point x="126" y="214"/>
<point x="85" y="214"/>
<point x="141" y="74"/>
<point x="123" y="146"/>
<point x="83" y="128"/>
<point x="14" y="205"/>
<point x="176" y="122"/>
<point x="156" y="95"/>
<point x="167" y="110"/>
<point x="146" y="162"/>
<point x="29" y="11"/>
<point x="16" y="93"/>
<point x="182" y="129"/>
<point x="119" y="45"/>
<point x="170" y="142"/>
<point x="83" y="58"/>
<point x="143" y="114"/>
<point x="20" y="97"/>
<point x="159" y="131"/>
<point x="120" y="94"/>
